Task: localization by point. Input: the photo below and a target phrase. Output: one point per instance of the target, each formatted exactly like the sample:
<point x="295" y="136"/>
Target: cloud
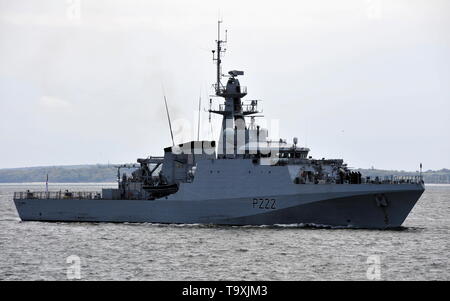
<point x="54" y="104"/>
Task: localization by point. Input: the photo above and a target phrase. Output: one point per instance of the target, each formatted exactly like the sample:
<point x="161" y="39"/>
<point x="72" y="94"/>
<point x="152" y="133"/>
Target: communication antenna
<point x="210" y="124"/>
<point x="168" y="117"/>
<point x="199" y="108"/>
<point x="210" y="106"/>
<point x="217" y="58"/>
<point x="420" y="171"/>
<point x="306" y="134"/>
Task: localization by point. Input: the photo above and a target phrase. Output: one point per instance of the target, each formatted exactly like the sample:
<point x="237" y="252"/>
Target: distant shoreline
<point x="57" y="183"/>
<point x="107" y="173"/>
<point x="115" y="184"/>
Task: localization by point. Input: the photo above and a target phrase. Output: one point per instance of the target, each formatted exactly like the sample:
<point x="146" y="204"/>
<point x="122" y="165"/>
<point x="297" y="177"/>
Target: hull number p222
<point x="264" y="203"/>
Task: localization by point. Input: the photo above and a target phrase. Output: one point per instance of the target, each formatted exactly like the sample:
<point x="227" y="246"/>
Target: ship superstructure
<point x="244" y="179"/>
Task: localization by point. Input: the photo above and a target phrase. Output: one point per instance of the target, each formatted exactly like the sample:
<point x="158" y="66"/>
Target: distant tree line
<point x="60" y="174"/>
<point x="441" y="176"/>
<point x="102" y="173"/>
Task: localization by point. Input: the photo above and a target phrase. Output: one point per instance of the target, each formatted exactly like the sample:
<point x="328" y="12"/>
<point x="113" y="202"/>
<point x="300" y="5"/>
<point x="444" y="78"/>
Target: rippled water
<point x="38" y="251"/>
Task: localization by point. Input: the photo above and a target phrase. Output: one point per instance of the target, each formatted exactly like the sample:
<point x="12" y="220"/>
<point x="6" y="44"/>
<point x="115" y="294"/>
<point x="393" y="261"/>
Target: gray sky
<point x="363" y="80"/>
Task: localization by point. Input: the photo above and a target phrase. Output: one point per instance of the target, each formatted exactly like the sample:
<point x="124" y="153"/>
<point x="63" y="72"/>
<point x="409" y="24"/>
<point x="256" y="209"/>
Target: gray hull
<point x="354" y="206"/>
<point x="252" y="180"/>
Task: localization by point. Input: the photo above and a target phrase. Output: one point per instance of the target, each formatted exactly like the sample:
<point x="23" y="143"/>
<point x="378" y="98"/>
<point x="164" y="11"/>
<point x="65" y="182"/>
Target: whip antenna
<point x="199" y="108"/>
<point x="168" y="117"/>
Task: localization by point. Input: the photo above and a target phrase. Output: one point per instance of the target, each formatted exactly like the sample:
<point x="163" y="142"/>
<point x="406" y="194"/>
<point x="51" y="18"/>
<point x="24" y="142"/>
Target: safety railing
<point x="395" y="180"/>
<point x="57" y="195"/>
<point x="248" y="107"/>
<point x="251" y="107"/>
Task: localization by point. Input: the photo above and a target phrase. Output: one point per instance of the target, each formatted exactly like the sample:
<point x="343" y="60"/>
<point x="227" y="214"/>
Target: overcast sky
<point x="364" y="80"/>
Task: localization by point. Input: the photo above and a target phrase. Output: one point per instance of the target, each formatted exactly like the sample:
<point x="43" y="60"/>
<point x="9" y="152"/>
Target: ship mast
<point x="233" y="109"/>
<point x="218" y="85"/>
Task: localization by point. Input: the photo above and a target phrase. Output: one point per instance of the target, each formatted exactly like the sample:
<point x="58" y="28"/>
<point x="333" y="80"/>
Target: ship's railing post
<point x="56" y="195"/>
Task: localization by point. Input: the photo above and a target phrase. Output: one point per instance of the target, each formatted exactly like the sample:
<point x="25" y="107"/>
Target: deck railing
<point x="57" y="195"/>
<point x="394" y="180"/>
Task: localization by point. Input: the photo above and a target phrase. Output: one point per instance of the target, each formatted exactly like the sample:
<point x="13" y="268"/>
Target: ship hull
<point x="370" y="206"/>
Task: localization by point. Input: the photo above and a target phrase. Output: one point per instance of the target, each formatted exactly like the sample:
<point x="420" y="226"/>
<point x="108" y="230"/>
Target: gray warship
<point x="244" y="179"/>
